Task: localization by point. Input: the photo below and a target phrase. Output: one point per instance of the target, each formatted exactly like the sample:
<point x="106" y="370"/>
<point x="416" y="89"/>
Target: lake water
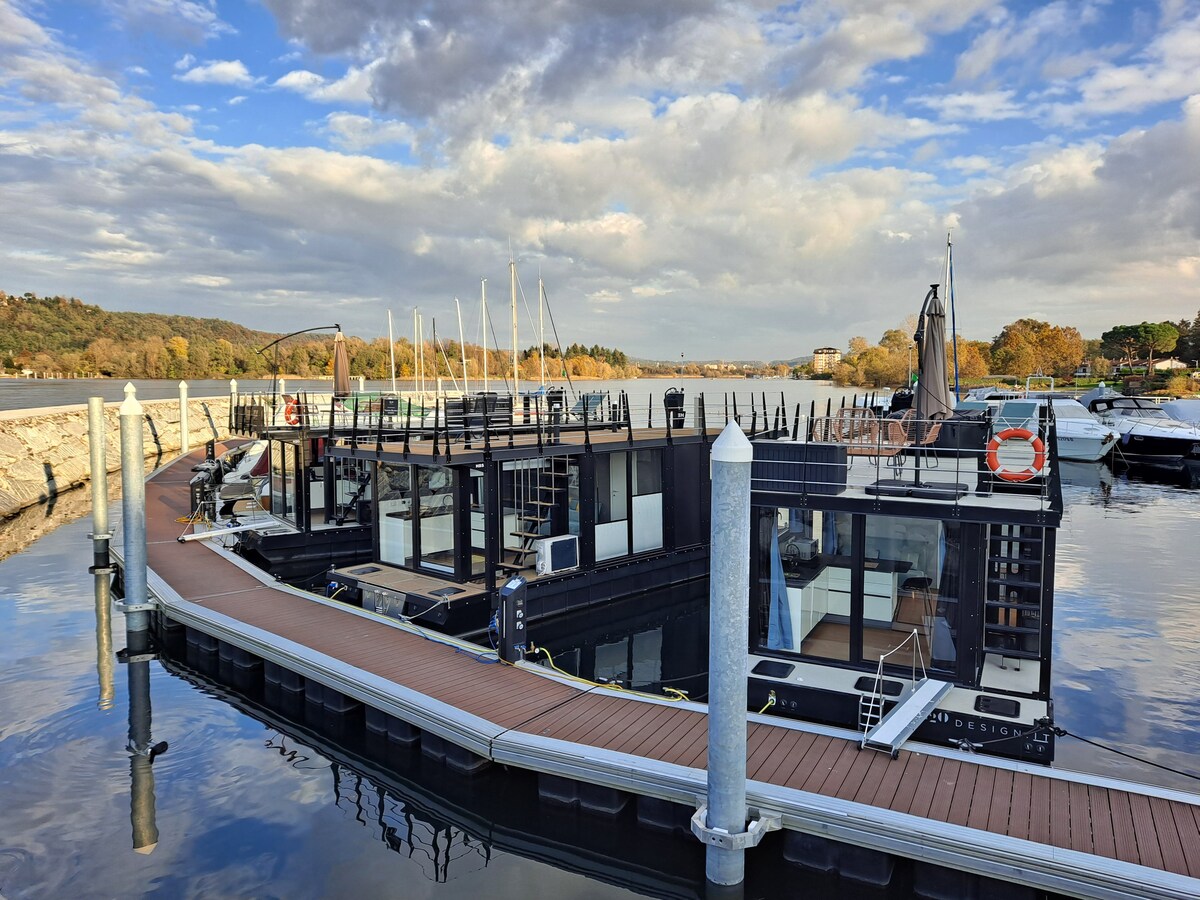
<point x="247" y="803"/>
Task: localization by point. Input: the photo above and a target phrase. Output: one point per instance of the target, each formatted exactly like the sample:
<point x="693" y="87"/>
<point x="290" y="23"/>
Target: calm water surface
<point x="249" y="803"/>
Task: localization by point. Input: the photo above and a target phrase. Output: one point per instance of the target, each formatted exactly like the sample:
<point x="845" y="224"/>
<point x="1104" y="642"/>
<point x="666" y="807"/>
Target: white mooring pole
<point x="722" y="823"/>
<point x="184" y="442"/>
<point x="133" y="512"/>
<point x="98" y="452"/>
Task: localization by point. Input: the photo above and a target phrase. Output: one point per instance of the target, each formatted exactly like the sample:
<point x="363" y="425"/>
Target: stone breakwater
<point x="44" y="452"/>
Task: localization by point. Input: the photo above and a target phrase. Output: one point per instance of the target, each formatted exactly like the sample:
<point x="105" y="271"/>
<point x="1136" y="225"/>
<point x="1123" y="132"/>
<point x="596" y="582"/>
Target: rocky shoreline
<point x="44" y="452"/>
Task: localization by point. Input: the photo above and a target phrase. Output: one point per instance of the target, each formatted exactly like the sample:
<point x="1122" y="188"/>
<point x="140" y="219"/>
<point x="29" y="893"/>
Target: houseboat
<point x="905" y="589"/>
<point x="574" y="504"/>
<point x="297" y="511"/>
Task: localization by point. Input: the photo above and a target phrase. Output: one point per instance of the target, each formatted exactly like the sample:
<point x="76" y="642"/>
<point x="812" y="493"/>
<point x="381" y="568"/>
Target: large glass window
<point x="435" y="505"/>
<point x="906" y="610"/>
<point x="283" y="480"/>
<point x="396" y="512"/>
<point x="647" y="500"/>
<point x="807" y="580"/>
<point x="612" y="505"/>
<point x="475" y="490"/>
<point x="911" y="591"/>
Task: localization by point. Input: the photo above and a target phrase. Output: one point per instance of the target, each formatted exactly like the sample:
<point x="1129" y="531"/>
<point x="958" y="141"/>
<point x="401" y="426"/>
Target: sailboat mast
<point x="953" y="323"/>
<point x="419" y="352"/>
<point x="462" y="347"/>
<point x="512" y="280"/>
<point x="392" y="351"/>
<point x="484" y="326"/>
<point x="541" y="330"/>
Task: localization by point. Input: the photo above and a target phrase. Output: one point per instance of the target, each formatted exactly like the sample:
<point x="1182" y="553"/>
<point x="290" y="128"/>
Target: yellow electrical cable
<point x="674" y="695"/>
<point x="770" y="702"/>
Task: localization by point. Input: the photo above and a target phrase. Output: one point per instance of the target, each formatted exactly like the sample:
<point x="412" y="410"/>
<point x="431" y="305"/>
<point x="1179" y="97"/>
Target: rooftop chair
<point x="589" y="406"/>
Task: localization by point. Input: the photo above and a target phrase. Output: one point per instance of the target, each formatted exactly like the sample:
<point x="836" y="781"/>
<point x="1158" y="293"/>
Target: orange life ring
<point x="291" y="413"/>
<point x="1025" y="466"/>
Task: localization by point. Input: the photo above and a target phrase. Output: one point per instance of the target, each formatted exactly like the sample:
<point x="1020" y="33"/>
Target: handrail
<point x="877" y="694"/>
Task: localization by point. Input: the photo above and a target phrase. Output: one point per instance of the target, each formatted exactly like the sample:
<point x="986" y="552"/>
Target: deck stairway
<point x="539" y="492"/>
<point x="890" y="732"/>
<point x="1013" y="626"/>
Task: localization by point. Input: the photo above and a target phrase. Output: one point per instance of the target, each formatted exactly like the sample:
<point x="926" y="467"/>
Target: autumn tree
<point x="177" y="356"/>
<point x="1028" y="346"/>
<point x="974" y="358"/>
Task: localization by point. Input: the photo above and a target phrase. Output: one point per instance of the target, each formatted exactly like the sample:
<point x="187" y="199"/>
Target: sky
<point x="709" y="179"/>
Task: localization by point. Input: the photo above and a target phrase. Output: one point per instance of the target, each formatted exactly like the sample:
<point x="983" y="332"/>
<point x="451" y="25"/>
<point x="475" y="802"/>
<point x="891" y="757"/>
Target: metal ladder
<point x="888" y="732"/>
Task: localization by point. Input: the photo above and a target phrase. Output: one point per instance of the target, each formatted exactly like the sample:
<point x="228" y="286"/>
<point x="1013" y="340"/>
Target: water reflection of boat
<point x="1086" y="474"/>
<point x="417" y="808"/>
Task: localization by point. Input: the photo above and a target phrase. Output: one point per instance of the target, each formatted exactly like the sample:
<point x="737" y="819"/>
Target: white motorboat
<point x="1080" y="435"/>
<point x="1148" y="435"/>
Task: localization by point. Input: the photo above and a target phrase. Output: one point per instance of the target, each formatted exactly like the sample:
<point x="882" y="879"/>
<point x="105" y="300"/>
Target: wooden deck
<point x="518" y="443"/>
<point x="1149" y="830"/>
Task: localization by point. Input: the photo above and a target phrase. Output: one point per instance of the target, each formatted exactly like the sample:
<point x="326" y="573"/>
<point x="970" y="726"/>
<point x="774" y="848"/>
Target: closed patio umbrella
<point x="933" y="400"/>
<point x="341" y="366"/>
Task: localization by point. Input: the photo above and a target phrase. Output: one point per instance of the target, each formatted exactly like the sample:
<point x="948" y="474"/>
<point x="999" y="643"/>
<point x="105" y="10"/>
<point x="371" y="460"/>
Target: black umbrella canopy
<point x="341" y="366"/>
<point x="933" y="400"/>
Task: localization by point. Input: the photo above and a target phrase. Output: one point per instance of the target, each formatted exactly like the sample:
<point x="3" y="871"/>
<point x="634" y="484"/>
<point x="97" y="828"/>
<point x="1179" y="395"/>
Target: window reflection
<point x="910" y="587"/>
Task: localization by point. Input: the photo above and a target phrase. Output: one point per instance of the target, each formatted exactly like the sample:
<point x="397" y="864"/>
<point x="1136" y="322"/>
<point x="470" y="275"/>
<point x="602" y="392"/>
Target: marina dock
<point x="1026" y="825"/>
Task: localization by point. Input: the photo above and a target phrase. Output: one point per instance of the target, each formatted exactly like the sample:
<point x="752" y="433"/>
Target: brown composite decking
<point x="1143" y="830"/>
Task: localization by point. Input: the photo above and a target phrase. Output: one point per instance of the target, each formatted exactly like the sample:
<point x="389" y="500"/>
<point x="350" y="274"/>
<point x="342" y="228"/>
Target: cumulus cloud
<point x="353" y="87"/>
<point x="219" y="71"/>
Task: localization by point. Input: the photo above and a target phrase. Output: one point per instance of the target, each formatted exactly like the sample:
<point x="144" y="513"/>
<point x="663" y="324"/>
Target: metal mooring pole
<point x="97" y="445"/>
<point x="133" y="513"/>
<point x="185" y="443"/>
<point x="101" y="563"/>
<point x="722" y="824"/>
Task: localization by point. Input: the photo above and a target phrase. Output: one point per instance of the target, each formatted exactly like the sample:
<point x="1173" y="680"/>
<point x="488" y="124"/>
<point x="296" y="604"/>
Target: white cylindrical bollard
<point x="233" y="402"/>
<point x="133" y="510"/>
<point x="185" y="443"/>
<point x="362" y="383"/>
<point x="729" y="622"/>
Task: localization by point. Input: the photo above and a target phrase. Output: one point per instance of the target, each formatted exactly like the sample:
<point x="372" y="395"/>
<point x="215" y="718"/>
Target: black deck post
<point x="436" y="407"/>
<point x="407" y="424"/>
<point x="379" y="433"/>
<point x="491" y="552"/>
<point x="796" y="424"/>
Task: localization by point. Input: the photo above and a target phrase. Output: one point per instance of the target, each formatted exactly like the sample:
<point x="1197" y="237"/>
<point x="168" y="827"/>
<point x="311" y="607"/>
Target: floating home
<point x="902" y="580"/>
<point x="576" y="501"/>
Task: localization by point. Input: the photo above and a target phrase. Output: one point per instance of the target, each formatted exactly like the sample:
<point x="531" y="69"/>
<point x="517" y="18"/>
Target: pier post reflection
<point x="104" y="648"/>
<point x="141" y="750"/>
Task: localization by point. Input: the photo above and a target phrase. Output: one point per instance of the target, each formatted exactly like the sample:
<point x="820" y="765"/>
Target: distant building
<point x="1168" y="364"/>
<point x="825" y="358"/>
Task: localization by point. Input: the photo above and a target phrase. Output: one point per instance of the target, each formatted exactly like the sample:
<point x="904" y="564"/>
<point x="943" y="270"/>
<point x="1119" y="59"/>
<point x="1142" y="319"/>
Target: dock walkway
<point x="1053" y="830"/>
